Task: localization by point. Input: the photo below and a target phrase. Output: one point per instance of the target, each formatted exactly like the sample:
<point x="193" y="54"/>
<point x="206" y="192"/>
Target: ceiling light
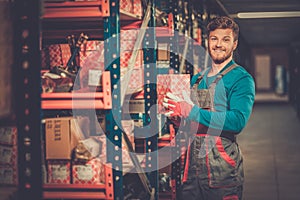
<point x="250" y="15"/>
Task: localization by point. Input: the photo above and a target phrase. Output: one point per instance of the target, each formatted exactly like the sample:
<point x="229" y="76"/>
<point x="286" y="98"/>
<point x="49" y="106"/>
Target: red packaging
<point x="65" y="53"/>
<point x="91" y="58"/>
<point x="128" y="35"/>
<point x="59" y="54"/>
<point x="175" y="83"/>
<point x="136" y="82"/>
<point x="126" y="5"/>
<point x="59" y="171"/>
<point x="92" y="172"/>
<point x="137" y="8"/>
<point x="92" y="54"/>
<point x="125" y="57"/>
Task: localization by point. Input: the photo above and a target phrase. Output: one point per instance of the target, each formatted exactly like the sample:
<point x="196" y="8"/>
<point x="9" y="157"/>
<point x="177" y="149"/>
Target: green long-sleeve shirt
<point x="234" y="98"/>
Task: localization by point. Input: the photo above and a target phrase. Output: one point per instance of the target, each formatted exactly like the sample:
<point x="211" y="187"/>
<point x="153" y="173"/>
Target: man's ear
<point x="235" y="43"/>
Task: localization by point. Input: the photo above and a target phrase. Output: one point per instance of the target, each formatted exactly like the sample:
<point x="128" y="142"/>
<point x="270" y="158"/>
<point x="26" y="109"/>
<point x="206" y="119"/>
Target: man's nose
<point x="219" y="43"/>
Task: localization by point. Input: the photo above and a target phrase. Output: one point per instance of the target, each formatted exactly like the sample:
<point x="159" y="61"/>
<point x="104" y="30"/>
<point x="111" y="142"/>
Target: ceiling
<point x="263" y="32"/>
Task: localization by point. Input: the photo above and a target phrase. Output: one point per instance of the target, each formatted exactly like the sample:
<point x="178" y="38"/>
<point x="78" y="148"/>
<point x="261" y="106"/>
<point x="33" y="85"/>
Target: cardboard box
<point x="62" y="135"/>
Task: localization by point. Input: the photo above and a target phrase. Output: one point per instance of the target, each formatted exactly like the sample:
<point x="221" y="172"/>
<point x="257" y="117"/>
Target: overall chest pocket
<point x="202" y="98"/>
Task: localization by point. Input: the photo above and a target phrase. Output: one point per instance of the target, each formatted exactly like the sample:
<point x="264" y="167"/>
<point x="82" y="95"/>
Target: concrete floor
<point x="271" y="147"/>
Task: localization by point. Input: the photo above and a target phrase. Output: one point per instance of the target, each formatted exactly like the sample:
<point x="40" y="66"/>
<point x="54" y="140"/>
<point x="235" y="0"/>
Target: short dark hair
<point x="223" y="22"/>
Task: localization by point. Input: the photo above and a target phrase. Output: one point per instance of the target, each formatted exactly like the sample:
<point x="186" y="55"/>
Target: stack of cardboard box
<point x="65" y="139"/>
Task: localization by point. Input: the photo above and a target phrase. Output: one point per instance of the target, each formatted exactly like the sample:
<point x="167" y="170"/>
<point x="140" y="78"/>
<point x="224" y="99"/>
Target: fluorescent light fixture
<point x="251" y="15"/>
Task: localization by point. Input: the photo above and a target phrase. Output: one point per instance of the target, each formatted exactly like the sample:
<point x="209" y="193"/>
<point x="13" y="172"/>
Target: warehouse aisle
<point x="271" y="147"/>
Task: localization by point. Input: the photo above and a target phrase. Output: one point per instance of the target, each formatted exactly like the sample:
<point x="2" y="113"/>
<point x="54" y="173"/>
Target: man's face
<point x="221" y="45"/>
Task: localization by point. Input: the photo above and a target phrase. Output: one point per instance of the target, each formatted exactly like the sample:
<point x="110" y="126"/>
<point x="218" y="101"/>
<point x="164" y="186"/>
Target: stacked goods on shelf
<point x="91" y="62"/>
<point x="8" y="156"/>
<point x="128" y="38"/>
<point x="74" y="155"/>
<point x="61" y="138"/>
<point x="61" y="60"/>
<point x="73" y="158"/>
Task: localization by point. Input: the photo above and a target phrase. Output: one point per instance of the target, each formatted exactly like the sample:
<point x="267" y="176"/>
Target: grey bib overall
<point x="213" y="168"/>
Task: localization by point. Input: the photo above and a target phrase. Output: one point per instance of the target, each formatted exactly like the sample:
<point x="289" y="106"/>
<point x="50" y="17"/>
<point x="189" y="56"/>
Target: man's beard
<point x="219" y="60"/>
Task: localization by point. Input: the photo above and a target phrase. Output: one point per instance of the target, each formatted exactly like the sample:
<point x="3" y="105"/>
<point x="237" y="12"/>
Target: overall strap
<point x="212" y="86"/>
<point x="200" y="77"/>
<point x="231" y="67"/>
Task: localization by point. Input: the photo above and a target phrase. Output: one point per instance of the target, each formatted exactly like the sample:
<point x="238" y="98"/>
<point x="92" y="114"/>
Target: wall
<point x="6" y="59"/>
<point x="278" y="56"/>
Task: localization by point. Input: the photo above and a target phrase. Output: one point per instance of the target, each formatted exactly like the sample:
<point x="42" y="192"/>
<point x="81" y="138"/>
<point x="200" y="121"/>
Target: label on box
<point x="94" y="77"/>
<point x="8" y="155"/>
<point x="8" y="175"/>
<point x="91" y="172"/>
<point x="84" y="172"/>
<point x="59" y="171"/>
<point x="8" y="135"/>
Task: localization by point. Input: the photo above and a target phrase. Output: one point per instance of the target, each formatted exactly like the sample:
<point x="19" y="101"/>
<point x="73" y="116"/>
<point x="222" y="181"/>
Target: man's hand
<point x="177" y="106"/>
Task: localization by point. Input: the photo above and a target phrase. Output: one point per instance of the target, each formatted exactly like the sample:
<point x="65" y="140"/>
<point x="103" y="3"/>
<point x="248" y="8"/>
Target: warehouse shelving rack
<point x="105" y="24"/>
<point x="28" y="112"/>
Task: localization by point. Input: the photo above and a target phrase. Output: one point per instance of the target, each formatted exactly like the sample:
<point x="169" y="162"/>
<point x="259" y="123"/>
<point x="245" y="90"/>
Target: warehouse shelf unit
<point x="100" y="20"/>
<point x="114" y="135"/>
<point x="150" y="96"/>
<point x="63" y="14"/>
<point x="172" y="142"/>
<point x="182" y="12"/>
<point x="174" y="64"/>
